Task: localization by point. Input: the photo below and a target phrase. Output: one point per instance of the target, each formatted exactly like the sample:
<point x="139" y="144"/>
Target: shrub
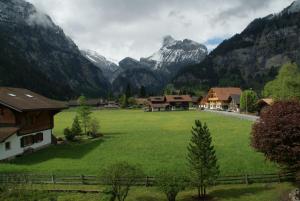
<point x="121" y="176"/>
<point x="94" y="127"/>
<point x="68" y="134"/>
<point x="277" y="133"/>
<point x="170" y="184"/>
<point x="76" y="128"/>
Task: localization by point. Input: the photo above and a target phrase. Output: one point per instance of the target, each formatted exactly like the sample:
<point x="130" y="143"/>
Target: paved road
<point x="233" y="114"/>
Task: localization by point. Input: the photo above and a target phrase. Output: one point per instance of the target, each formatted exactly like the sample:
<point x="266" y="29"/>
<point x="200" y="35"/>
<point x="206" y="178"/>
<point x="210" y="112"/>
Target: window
<point x="7" y="146"/>
<point x="27" y="141"/>
<point x="38" y="138"/>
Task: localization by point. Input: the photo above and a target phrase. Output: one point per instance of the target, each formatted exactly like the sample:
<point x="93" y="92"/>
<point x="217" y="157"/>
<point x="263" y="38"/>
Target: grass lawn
<point x="153" y="140"/>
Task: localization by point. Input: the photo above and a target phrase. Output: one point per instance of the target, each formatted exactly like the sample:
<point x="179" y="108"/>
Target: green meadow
<point x="154" y="141"/>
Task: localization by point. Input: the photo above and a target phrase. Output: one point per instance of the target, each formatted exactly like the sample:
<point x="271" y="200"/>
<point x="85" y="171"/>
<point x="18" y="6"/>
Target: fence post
<point x="82" y="179"/>
<point x="147" y="181"/>
<point x="53" y="178"/>
<point x="246" y="179"/>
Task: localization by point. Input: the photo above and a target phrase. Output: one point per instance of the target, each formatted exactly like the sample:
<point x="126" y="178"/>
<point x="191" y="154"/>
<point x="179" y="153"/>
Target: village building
<point x="220" y="98"/>
<point x="181" y="102"/>
<point x="264" y="103"/>
<point x="168" y="103"/>
<point x="234" y="105"/>
<point x="26" y="121"/>
<point x="157" y="103"/>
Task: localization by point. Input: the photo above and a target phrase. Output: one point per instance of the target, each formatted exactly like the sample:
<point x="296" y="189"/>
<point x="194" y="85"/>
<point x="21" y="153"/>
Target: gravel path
<point x="233" y="114"/>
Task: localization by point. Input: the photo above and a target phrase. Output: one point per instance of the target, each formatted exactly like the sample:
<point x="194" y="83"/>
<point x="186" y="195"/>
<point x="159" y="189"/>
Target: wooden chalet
<point x="157" y="103"/>
<point x="169" y="102"/>
<point x="178" y="101"/>
<point x="26" y="121"/>
<point x="264" y="103"/>
<point x="221" y="98"/>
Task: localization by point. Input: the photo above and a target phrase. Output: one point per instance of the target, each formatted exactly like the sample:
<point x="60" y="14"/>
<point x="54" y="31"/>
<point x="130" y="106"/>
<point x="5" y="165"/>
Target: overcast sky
<point x="120" y="28"/>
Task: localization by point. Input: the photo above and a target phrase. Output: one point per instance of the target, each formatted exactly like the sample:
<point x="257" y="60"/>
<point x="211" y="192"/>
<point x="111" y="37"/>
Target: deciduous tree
<point x="84" y="113"/>
<point x="248" y="101"/>
<point x="277" y="133"/>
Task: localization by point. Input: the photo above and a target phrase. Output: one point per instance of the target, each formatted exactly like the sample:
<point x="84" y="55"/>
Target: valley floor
<point x="155" y="141"/>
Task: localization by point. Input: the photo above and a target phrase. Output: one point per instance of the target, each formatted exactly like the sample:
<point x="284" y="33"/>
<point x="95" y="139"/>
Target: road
<point x="233" y="114"/>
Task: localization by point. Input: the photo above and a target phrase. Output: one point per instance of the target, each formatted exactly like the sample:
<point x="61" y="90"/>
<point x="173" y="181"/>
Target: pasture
<point x="155" y="141"/>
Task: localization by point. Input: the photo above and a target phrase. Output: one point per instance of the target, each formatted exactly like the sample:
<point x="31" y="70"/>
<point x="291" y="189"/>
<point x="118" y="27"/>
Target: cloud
<point x="135" y="28"/>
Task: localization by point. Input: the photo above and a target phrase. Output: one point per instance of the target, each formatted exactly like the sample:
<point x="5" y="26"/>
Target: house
<point x="234" y="104"/>
<point x="157" y="103"/>
<point x="26" y="121"/>
<point x="262" y="104"/>
<point x="220" y="97"/>
<point x="178" y="101"/>
<point x="196" y="100"/>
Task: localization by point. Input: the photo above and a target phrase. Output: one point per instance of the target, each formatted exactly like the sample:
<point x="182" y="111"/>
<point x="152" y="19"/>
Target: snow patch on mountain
<point x="295" y="7"/>
<point x="177" y="51"/>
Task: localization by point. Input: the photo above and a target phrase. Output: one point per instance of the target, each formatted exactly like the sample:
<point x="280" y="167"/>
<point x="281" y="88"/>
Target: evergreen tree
<point x="76" y="128"/>
<point x="202" y="159"/>
<point x="128" y="91"/>
<point x="84" y="113"/>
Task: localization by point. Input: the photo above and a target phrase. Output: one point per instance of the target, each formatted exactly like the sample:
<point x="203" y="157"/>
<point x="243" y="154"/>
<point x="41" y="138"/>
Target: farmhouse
<point x="262" y="104"/>
<point x="157" y="103"/>
<point x="178" y="101"/>
<point x="221" y="98"/>
<point x="26" y="121"/>
<point x="169" y="102"/>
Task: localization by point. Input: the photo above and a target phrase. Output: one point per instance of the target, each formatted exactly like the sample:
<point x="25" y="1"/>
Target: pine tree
<point x="202" y="158"/>
<point x="76" y="128"/>
<point x="84" y="113"/>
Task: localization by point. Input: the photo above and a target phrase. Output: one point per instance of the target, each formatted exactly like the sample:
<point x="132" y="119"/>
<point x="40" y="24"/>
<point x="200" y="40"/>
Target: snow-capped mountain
<point x="108" y="67"/>
<point x="160" y="66"/>
<point x="176" y="53"/>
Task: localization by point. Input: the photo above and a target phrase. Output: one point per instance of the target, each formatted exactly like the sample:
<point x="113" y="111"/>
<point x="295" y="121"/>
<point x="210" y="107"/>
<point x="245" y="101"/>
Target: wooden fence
<point x="146" y="181"/>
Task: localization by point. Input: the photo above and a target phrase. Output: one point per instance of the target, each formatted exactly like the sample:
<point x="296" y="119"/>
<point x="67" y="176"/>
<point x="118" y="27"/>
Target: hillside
<point x="251" y="58"/>
<point x="37" y="55"/>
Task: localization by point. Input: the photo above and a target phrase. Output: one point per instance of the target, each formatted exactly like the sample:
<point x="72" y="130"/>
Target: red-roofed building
<point x="220" y="97"/>
<point x="26" y="121"/>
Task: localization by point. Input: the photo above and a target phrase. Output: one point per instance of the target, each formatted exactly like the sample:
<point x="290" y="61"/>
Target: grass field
<point x="153" y="140"/>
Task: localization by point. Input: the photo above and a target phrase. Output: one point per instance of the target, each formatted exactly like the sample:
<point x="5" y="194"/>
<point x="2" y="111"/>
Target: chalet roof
<point x="25" y="100"/>
<point x="178" y="98"/>
<point x="223" y="93"/>
<point x="6" y="132"/>
<point x="157" y="99"/>
<point x="268" y="101"/>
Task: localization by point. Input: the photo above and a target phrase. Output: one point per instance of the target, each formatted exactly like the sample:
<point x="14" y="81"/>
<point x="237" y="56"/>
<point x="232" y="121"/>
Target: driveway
<point x="233" y="114"/>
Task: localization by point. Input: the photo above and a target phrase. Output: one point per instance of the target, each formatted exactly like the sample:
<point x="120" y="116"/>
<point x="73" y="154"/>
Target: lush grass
<point x="254" y="192"/>
<point x="153" y="140"/>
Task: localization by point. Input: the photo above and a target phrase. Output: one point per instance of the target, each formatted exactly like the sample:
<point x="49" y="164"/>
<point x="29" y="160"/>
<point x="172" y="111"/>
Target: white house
<point x="26" y="121"/>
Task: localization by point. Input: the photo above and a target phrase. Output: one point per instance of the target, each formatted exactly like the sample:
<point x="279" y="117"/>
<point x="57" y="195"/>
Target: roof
<point x="157" y="99"/>
<point x="268" y="101"/>
<point x="236" y="98"/>
<point x="223" y="93"/>
<point x="25" y="100"/>
<point x="6" y="132"/>
<point x="178" y="98"/>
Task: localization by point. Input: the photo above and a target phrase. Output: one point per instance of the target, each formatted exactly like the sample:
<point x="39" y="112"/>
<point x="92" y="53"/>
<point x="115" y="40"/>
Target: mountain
<point x="37" y="55"/>
<point x="251" y="58"/>
<point x="108" y="67"/>
<point x="155" y="71"/>
<point x="174" y="54"/>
